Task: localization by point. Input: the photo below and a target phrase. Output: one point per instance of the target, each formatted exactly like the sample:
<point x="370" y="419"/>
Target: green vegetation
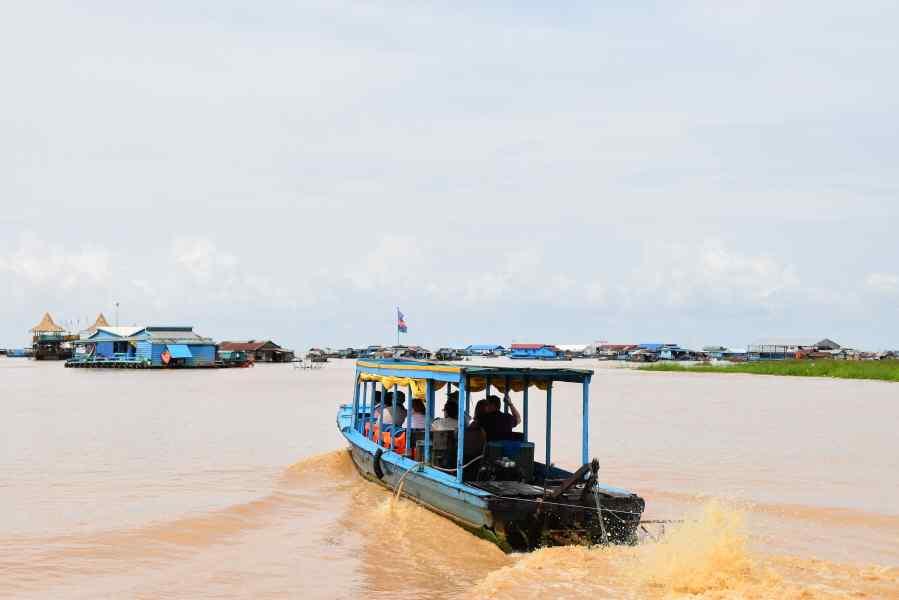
<point x="885" y="370"/>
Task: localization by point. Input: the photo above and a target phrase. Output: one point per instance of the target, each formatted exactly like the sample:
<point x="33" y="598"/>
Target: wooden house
<point x="155" y="346"/>
<point x="265" y="351"/>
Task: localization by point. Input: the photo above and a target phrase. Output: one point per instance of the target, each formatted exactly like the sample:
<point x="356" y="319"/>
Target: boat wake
<point x="707" y="556"/>
<point x="321" y="510"/>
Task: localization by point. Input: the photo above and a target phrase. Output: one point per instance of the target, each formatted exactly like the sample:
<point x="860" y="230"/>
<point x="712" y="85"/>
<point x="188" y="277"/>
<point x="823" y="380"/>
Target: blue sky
<point x="692" y="172"/>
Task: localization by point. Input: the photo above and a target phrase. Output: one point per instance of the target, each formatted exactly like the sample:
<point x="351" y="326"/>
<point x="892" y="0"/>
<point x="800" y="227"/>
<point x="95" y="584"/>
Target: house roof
<point x="175" y="334"/>
<point x="250" y="346"/>
<point x="100" y="322"/>
<point x="124" y="332"/>
<point x="532" y="346"/>
<point x="47" y="325"/>
<point x="798" y="342"/>
<point x="488" y="347"/>
<point x="572" y="347"/>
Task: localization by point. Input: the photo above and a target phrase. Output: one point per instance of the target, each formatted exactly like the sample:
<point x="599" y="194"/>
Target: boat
<point x="495" y="489"/>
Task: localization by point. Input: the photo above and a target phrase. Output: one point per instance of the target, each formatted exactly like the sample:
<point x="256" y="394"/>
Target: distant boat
<point x="19" y="353"/>
<point x="494" y="489"/>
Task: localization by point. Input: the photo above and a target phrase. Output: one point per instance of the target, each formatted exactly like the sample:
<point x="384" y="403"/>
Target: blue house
<point x="485" y="350"/>
<point x="157" y="346"/>
<point x="535" y="351"/>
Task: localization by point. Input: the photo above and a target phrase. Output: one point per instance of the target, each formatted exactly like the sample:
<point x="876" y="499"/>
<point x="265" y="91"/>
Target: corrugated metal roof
<point x="489" y="347"/>
<point x="124" y="331"/>
<point x="160" y="335"/>
<point x="532" y="346"/>
<point x="250" y="346"/>
<point x="786" y="341"/>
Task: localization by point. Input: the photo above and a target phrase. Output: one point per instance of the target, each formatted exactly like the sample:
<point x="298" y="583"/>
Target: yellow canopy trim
<point x="419" y="387"/>
<point x="476" y="384"/>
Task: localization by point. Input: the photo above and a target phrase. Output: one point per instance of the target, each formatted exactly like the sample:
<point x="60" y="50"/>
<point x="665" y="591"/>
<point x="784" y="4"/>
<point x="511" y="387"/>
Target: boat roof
<point x="455" y="372"/>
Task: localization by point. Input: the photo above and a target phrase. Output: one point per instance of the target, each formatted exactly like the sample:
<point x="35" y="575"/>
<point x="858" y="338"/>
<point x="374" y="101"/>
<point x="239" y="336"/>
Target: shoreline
<point x="829" y="369"/>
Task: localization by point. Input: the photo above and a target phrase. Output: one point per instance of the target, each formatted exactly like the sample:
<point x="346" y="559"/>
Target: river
<point x="235" y="484"/>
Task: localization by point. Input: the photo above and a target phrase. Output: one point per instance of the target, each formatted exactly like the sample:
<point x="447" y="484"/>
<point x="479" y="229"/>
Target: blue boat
<point x="495" y="488"/>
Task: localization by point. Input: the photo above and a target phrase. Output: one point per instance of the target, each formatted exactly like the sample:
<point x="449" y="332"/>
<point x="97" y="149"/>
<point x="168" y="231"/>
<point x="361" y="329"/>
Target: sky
<point x="692" y="172"/>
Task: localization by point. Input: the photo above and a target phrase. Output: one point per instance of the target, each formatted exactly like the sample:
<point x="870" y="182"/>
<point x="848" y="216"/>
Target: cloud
<point x="201" y="258"/>
<point x="707" y="274"/>
<point x="883" y="282"/>
<point x="38" y="263"/>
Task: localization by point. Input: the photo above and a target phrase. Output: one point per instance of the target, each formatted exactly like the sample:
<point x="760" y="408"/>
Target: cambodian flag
<point x="400" y="321"/>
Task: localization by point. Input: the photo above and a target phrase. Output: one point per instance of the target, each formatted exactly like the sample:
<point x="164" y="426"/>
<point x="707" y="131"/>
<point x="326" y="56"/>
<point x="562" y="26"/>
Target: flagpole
<point x="397" y="325"/>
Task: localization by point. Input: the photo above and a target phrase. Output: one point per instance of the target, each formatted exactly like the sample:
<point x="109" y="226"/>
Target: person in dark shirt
<point x="499" y="425"/>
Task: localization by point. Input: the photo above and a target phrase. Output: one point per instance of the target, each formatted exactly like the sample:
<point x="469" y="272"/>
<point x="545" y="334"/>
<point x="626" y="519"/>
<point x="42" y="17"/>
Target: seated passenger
<point x="450" y="420"/>
<point x="499" y="425"/>
<point x="399" y="419"/>
<point x="418" y="414"/>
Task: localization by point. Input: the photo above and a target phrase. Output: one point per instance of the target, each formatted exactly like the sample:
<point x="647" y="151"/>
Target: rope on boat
<point x="608" y="510"/>
<point x="399" y="484"/>
<point x="602" y="523"/>
<point x="465" y="466"/>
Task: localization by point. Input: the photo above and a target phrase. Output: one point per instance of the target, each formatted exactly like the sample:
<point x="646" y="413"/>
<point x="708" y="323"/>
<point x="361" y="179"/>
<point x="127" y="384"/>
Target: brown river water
<point x="235" y="484"/>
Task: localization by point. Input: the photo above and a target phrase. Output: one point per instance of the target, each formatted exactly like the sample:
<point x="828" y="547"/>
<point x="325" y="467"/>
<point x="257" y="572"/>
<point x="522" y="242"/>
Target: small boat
<point x="494" y="489"/>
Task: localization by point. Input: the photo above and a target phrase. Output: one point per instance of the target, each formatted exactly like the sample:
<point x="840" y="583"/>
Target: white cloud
<point x="695" y="275"/>
<point x="883" y="282"/>
<point x="202" y="258"/>
<point x="38" y="263"/>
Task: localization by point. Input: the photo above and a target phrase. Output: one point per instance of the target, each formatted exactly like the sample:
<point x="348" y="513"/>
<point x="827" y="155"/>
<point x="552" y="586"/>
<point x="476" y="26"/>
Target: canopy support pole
<point x="409" y="411"/>
<point x="585" y="424"/>
<point x="527" y="383"/>
<point x="392" y="423"/>
<point x="371" y="427"/>
<point x="429" y="416"/>
<point x="549" y="422"/>
<point x="460" y="437"/>
<point x="362" y="408"/>
<point x="381" y="414"/>
<point x="507" y="395"/>
<point x="356" y="402"/>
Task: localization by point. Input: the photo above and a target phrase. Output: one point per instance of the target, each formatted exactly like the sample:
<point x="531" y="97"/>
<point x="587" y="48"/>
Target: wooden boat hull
<point x="513" y="522"/>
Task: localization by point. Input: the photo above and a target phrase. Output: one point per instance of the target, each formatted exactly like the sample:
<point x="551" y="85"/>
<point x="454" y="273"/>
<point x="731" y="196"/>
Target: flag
<point x="400" y="321"/>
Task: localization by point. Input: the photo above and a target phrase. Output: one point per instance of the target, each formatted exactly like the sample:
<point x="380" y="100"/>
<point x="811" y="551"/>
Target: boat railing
<point x="118" y="358"/>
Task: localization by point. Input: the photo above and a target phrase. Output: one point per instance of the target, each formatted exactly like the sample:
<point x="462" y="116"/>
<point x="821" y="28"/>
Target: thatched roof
<point x="100" y="322"/>
<point x="47" y="325"/>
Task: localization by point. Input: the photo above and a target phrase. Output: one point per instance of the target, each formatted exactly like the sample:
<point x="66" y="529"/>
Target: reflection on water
<point x="235" y="484"/>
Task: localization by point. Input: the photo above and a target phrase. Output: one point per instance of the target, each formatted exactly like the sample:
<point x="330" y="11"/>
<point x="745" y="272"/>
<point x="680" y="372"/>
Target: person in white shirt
<point x="449" y="422"/>
<point x="418" y="414"/>
<point x="400" y="418"/>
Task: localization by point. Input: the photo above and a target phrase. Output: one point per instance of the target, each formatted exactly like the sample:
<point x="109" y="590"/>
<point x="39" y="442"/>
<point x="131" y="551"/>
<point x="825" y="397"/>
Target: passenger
<point x="476" y="430"/>
<point x="450" y="420"/>
<point x="481" y="410"/>
<point x="418" y="414"/>
<point x="399" y="419"/>
<point x="499" y="425"/>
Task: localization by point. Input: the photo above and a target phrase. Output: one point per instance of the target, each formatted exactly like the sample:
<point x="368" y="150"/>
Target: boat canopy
<point x="415" y="374"/>
<point x="423" y="379"/>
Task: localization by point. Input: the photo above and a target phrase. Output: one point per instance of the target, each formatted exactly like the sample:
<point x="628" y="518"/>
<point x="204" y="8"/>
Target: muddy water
<point x="223" y="484"/>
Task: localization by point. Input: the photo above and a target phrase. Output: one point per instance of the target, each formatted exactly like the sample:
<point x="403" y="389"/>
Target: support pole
<point x="356" y="402"/>
<point x="362" y="411"/>
<point x="460" y="437"/>
<point x="381" y="414"/>
<point x="549" y="422"/>
<point x="429" y="416"/>
<point x="585" y="424"/>
<point x="371" y="427"/>
<point x="527" y="383"/>
<point x="408" y="451"/>
<point x="393" y="416"/>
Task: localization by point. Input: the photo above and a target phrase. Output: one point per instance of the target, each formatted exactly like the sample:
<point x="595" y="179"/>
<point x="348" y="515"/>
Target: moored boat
<point x="495" y="488"/>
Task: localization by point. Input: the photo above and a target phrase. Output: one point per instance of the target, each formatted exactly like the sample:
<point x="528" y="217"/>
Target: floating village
<point x="102" y="345"/>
